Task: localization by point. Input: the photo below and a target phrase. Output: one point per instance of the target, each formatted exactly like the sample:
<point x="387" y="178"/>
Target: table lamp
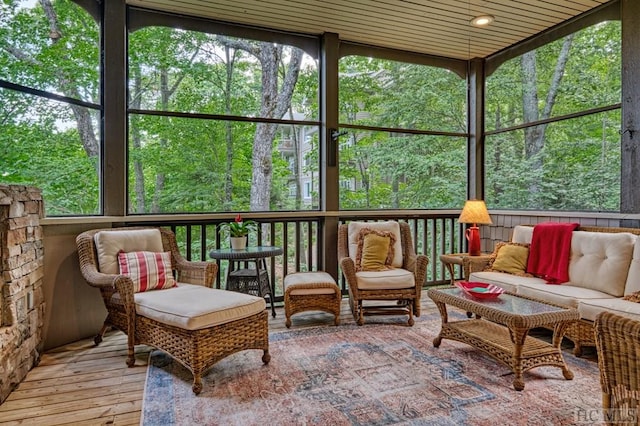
<point x="474" y="212"/>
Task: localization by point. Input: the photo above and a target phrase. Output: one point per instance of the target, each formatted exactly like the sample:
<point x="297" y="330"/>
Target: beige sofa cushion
<point x="522" y="234"/>
<point x="109" y="243"/>
<point x="394" y="227"/>
<point x="600" y="261"/>
<point x="633" y="278"/>
<point x="561" y="294"/>
<point x="501" y="279"/>
<point x="589" y="309"/>
<point x="194" y="307"/>
<point x="394" y="278"/>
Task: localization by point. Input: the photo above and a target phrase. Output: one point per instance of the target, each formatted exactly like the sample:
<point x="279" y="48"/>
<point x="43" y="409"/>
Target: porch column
<point x="630" y="142"/>
<point x="329" y="151"/>
<point x="114" y="158"/>
<point x="475" y="120"/>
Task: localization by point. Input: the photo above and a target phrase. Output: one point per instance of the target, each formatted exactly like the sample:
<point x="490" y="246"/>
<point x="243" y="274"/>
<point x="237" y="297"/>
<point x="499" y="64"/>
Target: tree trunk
<point x="228" y="182"/>
<point x="66" y="83"/>
<point x="165" y="96"/>
<point x="534" y="136"/>
<point x="296" y="164"/>
<point x="135" y="140"/>
<point x="274" y="104"/>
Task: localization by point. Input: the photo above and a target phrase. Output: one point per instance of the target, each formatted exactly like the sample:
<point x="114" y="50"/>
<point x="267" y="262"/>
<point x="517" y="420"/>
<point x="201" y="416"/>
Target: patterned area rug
<point x="383" y="374"/>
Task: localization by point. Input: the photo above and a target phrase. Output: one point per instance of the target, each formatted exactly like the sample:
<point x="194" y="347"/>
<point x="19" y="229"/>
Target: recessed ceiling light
<point x="482" y="20"/>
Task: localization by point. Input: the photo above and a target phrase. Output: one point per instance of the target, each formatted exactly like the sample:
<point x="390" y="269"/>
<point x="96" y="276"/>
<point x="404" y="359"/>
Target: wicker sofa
<point x="604" y="267"/>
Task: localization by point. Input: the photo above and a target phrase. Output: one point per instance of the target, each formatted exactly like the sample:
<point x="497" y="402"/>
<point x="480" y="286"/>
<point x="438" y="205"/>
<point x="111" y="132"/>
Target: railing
<point x="301" y="239"/>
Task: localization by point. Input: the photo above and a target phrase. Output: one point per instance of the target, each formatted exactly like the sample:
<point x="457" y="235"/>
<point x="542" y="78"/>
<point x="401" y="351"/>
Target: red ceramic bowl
<point x="480" y="290"/>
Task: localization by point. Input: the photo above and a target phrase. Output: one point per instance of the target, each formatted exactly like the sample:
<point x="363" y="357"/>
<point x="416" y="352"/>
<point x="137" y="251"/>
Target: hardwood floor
<point x="84" y="384"/>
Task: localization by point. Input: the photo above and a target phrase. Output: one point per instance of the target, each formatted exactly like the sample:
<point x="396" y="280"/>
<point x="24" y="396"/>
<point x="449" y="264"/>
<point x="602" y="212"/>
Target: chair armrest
<point x="348" y="267"/>
<point x="98" y="279"/>
<point x="420" y="269"/>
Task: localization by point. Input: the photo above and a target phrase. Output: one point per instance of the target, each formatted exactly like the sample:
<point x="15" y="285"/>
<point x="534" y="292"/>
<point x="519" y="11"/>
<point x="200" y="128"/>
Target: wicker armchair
<point x="618" y="348"/>
<point x="406" y="294"/>
<point x="196" y="346"/>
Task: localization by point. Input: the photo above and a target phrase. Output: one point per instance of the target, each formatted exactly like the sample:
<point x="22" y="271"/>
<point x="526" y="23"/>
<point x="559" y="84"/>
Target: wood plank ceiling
<point x="436" y="27"/>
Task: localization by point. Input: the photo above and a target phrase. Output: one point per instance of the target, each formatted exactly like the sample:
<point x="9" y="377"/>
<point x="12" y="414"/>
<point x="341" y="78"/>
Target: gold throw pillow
<point x="510" y="258"/>
<point x="375" y="250"/>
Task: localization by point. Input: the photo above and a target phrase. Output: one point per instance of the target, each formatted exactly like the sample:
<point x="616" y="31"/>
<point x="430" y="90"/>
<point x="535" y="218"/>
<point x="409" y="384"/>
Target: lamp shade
<point x="475" y="211"/>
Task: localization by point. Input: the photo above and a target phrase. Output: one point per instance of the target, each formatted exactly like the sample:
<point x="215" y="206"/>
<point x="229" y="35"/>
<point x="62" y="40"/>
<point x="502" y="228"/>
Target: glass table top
<point x="507" y="303"/>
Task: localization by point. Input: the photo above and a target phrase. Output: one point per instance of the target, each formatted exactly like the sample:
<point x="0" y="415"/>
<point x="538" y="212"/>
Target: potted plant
<point x="238" y="231"/>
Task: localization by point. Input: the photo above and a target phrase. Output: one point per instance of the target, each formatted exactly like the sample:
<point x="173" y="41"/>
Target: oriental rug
<point x="377" y="374"/>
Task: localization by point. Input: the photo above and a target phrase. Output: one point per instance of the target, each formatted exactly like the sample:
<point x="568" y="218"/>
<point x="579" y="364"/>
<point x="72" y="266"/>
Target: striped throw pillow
<point x="148" y="270"/>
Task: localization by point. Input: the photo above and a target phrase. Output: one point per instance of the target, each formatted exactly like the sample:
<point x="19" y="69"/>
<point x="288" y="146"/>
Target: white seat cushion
<point x="589" y="309"/>
<point x="194" y="307"/>
<point x="385" y="280"/>
<point x="562" y="294"/>
<point x="503" y="280"/>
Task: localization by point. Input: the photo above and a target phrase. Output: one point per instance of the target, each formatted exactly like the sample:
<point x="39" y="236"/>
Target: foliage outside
<point x="233" y="161"/>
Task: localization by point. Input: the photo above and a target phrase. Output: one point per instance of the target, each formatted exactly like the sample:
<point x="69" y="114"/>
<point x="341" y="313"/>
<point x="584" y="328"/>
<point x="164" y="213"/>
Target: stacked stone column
<point x="21" y="276"/>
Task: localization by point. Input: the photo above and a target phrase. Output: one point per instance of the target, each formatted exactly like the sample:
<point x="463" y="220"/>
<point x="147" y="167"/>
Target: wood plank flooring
<point x="84" y="384"/>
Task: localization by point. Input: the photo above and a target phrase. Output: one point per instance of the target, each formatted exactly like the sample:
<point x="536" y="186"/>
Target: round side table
<point x="242" y="278"/>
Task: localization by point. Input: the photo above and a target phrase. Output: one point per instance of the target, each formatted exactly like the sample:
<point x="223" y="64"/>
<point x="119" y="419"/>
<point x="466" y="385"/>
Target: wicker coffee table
<point x="501" y="329"/>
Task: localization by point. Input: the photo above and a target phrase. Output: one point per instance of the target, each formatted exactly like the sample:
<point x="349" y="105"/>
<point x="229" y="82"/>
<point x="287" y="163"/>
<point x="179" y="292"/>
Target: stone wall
<point x="21" y="277"/>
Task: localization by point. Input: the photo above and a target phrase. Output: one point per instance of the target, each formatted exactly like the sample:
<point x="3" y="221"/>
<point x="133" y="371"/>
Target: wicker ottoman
<point x="311" y="291"/>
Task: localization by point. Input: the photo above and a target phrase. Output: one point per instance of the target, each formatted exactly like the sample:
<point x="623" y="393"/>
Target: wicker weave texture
<point x="197" y="350"/>
<point x="581" y="332"/>
<point x="505" y="335"/>
<point x="618" y="347"/>
<point x="408" y="299"/>
<point x="296" y="303"/>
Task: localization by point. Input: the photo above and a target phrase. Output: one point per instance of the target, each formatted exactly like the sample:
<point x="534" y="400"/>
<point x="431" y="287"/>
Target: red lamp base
<point x="473" y="237"/>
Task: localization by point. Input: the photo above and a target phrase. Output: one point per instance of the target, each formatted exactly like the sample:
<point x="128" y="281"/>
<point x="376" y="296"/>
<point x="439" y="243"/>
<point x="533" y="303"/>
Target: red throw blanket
<point x="550" y="251"/>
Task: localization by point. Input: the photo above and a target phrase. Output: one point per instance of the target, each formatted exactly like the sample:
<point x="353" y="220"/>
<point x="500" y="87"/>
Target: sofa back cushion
<point x="600" y="260"/>
<point x="110" y="243"/>
<point x="522" y="234"/>
<point x="633" y="279"/>
<point x="390" y="226"/>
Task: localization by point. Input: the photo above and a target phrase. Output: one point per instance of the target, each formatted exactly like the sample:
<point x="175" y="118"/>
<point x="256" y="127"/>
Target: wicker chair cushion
<point x="600" y="261"/>
<point x="305" y="283"/>
<point x="147" y="270"/>
<point x="390" y="226"/>
<point x="385" y="280"/>
<point x="194" y="307"/>
<point x="110" y="243"/>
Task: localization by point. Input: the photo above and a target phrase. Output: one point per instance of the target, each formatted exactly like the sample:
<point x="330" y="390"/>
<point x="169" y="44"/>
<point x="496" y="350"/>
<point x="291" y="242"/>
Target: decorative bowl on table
<point x="479" y="290"/>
